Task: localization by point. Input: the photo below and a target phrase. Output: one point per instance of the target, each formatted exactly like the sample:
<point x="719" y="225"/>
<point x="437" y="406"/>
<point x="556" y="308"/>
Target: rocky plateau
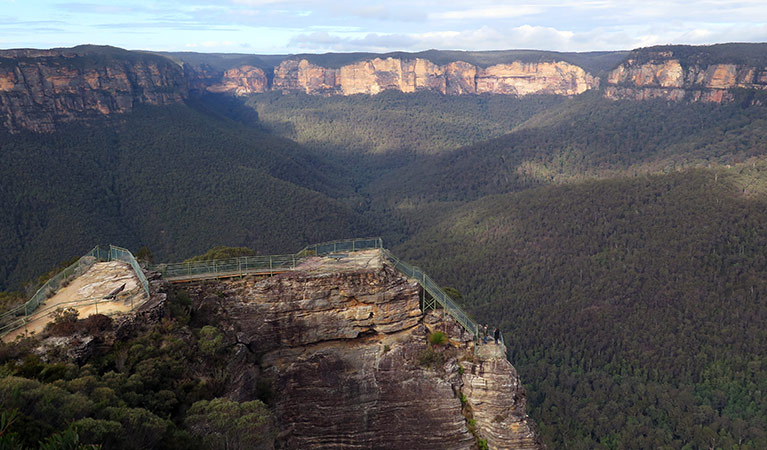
<point x="351" y="366"/>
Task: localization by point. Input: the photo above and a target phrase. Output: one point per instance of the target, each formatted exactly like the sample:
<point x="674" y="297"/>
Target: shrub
<point x="438" y="338"/>
<point x="430" y="358"/>
<point x="64" y="322"/>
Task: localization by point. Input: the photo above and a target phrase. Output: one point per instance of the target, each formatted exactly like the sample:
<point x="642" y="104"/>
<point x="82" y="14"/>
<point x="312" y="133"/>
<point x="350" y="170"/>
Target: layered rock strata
<point x="377" y="75"/>
<point x="661" y="75"/>
<point x="41" y="88"/>
<point x="351" y="367"/>
<point x="494" y="392"/>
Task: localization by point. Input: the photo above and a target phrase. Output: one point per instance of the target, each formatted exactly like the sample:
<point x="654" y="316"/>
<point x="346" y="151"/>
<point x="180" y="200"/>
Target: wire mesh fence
<point x="243" y="265"/>
<point x="121" y="254"/>
<point x="435" y="291"/>
<point x="18" y="316"/>
<point x="346" y="245"/>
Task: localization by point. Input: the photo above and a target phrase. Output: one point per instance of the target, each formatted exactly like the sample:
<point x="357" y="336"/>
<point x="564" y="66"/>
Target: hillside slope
<point x="634" y="307"/>
<point x="176" y="179"/>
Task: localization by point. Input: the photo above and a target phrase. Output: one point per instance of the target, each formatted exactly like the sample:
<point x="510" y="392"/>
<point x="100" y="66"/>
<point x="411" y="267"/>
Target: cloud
<point x="484" y="38"/>
<point x="493" y="12"/>
<point x="389" y="13"/>
<point x="526" y="37"/>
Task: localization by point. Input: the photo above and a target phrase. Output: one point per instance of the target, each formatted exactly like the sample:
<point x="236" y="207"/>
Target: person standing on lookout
<point x="484" y="339"/>
<point x="496" y="334"/>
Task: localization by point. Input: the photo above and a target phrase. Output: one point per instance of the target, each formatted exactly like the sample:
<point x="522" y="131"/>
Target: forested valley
<point x="620" y="245"/>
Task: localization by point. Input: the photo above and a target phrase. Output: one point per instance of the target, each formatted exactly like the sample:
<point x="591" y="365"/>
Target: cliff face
<point x="377" y="75"/>
<point x="661" y="75"/>
<point x="351" y="367"/>
<point x="41" y="88"/>
<point x="241" y="80"/>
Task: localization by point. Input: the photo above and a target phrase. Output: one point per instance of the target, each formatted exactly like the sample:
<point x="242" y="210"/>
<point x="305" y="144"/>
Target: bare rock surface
<point x="495" y="394"/>
<point x="662" y="75"/>
<point x="86" y="293"/>
<point x="411" y="75"/>
<point x="40" y="88"/>
<point x="345" y="344"/>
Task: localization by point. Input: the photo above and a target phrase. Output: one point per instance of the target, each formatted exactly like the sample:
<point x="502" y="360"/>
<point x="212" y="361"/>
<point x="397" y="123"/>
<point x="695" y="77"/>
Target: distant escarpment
<point x="40" y="88"/>
<point x="411" y="75"/>
<point x="405" y="75"/>
<point x="685" y="73"/>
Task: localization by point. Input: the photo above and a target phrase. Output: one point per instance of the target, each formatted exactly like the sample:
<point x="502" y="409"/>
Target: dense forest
<point x="157" y="386"/>
<point x="633" y="308"/>
<point x="620" y="245"/>
<point x="199" y="178"/>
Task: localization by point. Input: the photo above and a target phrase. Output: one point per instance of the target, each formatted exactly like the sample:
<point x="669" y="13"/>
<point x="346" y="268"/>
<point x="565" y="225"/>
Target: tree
<point x="228" y="425"/>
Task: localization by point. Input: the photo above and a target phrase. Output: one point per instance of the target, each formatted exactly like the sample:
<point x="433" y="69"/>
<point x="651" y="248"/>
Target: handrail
<point x="122" y="254"/>
<point x="57" y="281"/>
<point x="7" y="328"/>
<point x="247" y="264"/>
<point x="241" y="265"/>
<point x="439" y="295"/>
<point x="343" y="245"/>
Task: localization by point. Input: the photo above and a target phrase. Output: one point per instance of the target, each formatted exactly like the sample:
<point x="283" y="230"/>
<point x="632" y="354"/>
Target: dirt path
<point x="97" y="282"/>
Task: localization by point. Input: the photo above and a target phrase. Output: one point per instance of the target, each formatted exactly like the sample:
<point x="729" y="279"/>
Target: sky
<point x="308" y="26"/>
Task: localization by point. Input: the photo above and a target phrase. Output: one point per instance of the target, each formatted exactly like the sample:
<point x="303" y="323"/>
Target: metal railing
<point x="121" y="254"/>
<point x="345" y="245"/>
<point x="246" y="265"/>
<point x="243" y="265"/>
<point x="435" y="291"/>
<point x="18" y="316"/>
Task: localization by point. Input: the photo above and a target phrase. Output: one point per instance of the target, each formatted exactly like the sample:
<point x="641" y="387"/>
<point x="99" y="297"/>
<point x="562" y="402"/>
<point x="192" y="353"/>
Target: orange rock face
<point x="376" y="75"/>
<point x="665" y="77"/>
<point x="45" y="87"/>
<point x="520" y="79"/>
<point x="242" y="80"/>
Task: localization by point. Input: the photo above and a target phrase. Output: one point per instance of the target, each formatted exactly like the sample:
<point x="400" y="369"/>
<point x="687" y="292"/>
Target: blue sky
<point x="297" y="26"/>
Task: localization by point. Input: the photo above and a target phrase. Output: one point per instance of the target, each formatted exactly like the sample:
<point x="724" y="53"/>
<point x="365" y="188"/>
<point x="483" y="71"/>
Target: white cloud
<point x="493" y="12"/>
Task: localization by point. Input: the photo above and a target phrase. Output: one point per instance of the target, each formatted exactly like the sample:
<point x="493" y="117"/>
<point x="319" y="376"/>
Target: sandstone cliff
<point x="347" y="352"/>
<point x="377" y="75"/>
<point x="660" y="74"/>
<point x="240" y="80"/>
<point x="41" y="88"/>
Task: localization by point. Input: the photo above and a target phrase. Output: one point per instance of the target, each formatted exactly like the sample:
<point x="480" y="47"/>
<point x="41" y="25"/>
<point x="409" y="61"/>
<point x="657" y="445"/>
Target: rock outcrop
<point x="241" y="80"/>
<point x="39" y="89"/>
<point x="494" y="392"/>
<point x="376" y="75"/>
<point x="351" y="366"/>
<point x="661" y="75"/>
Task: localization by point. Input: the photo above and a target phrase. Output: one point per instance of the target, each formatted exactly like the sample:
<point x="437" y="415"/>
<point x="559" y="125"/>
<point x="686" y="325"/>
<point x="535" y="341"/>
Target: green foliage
<point x="229" y="425"/>
<point x="200" y="180"/>
<point x="482" y="444"/>
<point x="144" y="255"/>
<point x="68" y="439"/>
<point x="454" y="293"/>
<point x="632" y="307"/>
<point x="393" y="122"/>
<point x="438" y="338"/>
<point x="222" y="252"/>
<point x="211" y="342"/>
